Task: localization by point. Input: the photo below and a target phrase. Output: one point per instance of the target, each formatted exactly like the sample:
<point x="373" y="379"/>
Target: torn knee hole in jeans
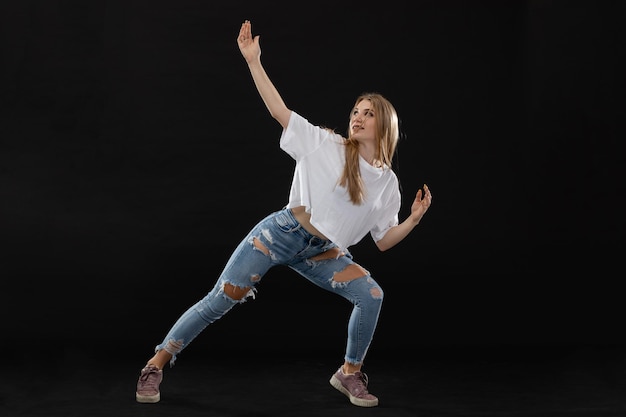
<point x="236" y="293"/>
<point x="375" y="292"/>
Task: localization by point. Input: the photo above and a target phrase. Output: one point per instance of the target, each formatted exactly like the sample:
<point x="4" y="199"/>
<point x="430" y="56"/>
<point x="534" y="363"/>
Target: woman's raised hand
<point x="248" y="45"/>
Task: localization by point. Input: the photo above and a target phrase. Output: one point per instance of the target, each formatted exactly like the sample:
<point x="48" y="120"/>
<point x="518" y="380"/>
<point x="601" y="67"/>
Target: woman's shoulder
<point x="302" y="122"/>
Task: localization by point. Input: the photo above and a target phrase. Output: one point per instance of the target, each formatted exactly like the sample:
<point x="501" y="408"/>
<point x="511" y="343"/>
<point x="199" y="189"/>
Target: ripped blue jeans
<point x="279" y="239"/>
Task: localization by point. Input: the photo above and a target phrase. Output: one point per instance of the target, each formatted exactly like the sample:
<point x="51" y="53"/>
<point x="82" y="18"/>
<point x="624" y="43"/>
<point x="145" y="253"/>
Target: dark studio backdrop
<point x="135" y="153"/>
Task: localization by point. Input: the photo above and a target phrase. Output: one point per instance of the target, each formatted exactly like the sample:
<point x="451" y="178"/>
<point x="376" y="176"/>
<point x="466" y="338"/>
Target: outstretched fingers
<point x="245" y="33"/>
<point x="427" y="195"/>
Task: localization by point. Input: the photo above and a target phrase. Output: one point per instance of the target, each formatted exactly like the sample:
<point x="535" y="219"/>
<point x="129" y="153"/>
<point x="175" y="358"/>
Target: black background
<point x="135" y="153"/>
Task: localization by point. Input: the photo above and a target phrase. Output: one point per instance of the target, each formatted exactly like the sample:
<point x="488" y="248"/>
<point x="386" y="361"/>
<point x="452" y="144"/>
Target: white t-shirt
<point x="320" y="157"/>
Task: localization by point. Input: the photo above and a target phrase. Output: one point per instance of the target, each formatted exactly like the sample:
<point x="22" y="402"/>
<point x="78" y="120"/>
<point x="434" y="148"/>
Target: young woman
<point x="342" y="189"/>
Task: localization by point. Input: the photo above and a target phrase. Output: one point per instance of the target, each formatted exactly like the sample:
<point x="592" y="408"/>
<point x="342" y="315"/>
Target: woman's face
<point x="363" y="121"/>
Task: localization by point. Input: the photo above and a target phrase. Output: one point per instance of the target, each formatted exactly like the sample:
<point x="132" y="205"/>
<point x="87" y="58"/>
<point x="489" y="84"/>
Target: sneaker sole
<point x="148" y="398"/>
<point x="354" y="400"/>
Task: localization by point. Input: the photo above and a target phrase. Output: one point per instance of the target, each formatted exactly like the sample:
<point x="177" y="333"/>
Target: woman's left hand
<point x="422" y="202"/>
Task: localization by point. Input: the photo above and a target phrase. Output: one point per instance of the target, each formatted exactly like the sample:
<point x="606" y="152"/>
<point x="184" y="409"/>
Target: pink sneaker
<point x="148" y="385"/>
<point x="354" y="386"/>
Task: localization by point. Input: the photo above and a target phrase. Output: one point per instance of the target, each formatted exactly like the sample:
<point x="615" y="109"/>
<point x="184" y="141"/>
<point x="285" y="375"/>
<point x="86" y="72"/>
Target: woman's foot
<point x="354" y="386"/>
<point x="148" y="385"/>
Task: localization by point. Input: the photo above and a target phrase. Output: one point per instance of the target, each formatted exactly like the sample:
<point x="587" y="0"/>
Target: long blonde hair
<point x="387" y="135"/>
